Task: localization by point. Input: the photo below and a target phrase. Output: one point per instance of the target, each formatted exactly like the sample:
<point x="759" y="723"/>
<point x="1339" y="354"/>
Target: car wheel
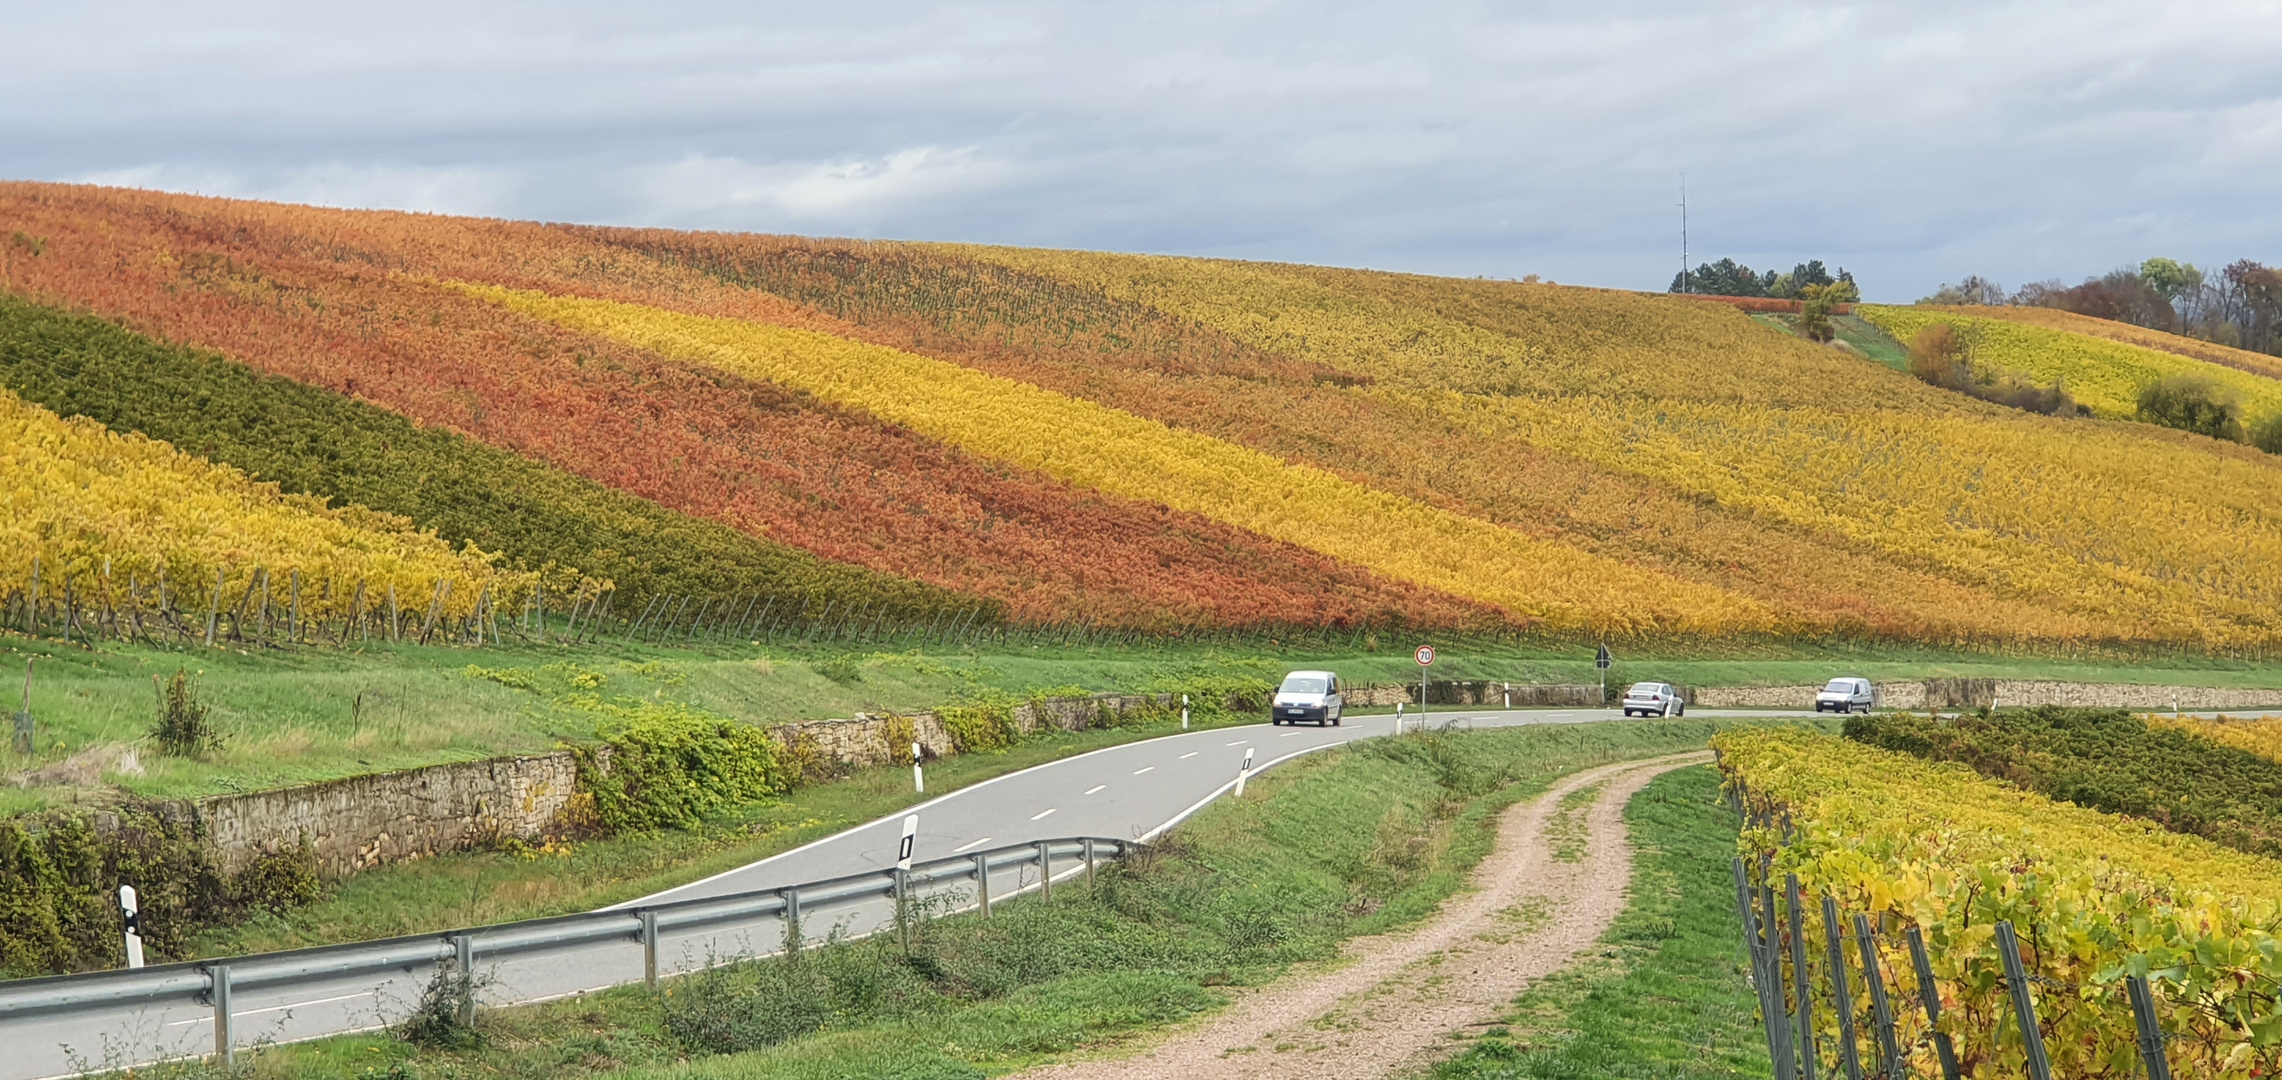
<point x="1681" y="711"/>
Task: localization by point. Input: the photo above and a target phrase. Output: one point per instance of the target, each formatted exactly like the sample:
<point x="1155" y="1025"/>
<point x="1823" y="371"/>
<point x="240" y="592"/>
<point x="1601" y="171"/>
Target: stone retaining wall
<point x="364" y="821"/>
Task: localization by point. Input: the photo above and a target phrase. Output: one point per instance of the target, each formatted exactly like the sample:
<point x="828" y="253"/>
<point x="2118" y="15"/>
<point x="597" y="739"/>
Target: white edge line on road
<point x="274" y="1008"/>
<point x="967" y="846"/>
<point x="1096" y="787"/>
<point x="898" y="815"/>
<point x="1043" y="813"/>
<point x="1230" y="786"/>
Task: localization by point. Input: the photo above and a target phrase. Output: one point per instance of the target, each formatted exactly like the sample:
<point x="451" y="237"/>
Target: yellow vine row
<point x="99" y="510"/>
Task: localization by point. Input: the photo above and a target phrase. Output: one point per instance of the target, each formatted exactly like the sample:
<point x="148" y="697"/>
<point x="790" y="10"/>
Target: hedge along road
<point x="1131" y="791"/>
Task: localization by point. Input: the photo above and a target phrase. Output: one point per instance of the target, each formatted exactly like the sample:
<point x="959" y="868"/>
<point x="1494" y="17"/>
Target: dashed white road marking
<point x="969" y="847"/>
<point x="1239" y="742"/>
<point x="1043" y="813"/>
<point x="1289" y="734"/>
<point x="1190" y="754"/>
<point x="1096" y="787"/>
<point x="1150" y="768"/>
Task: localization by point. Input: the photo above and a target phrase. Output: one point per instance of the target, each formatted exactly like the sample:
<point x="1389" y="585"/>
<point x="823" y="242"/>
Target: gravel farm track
<point x="1391" y="1002"/>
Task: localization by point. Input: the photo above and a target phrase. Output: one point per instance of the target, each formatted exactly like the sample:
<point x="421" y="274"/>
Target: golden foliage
<point x="2262" y="736"/>
<point x="2056" y="319"/>
<point x="1094" y="446"/>
<point x="85" y="501"/>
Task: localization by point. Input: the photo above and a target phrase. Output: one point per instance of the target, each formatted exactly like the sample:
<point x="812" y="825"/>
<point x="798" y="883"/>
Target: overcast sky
<point x="1910" y="142"/>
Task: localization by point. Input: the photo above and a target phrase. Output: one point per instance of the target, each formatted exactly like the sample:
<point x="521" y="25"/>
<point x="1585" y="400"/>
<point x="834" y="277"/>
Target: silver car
<point x="1847" y="695"/>
<point x="1307" y="695"/>
<point x="1654" y="699"/>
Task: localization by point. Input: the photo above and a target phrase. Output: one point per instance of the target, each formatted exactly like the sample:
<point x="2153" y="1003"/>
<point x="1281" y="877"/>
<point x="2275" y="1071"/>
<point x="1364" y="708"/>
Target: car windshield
<point x="1305" y="684"/>
<point x="1839" y="686"/>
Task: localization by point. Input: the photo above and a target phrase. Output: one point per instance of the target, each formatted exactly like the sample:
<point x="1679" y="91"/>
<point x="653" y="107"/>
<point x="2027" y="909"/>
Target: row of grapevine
<point x="323" y="297"/>
<point x="2056" y="319"/>
<point x="2260" y="735"/>
<point x="2104" y="373"/>
<point x="1097" y="447"/>
<point x="2107" y="760"/>
<point x="1941" y="861"/>
<point x="81" y="504"/>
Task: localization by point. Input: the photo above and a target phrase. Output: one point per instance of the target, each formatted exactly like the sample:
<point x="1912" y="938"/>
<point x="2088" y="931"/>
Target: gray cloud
<point x="1911" y="142"/>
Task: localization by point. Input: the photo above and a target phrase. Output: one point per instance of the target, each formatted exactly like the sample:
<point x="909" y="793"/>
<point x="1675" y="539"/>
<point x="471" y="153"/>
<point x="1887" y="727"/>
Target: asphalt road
<point x="1131" y="791"/>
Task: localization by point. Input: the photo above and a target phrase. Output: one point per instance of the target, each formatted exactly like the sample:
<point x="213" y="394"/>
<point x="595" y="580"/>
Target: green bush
<point x="665" y="764"/>
<point x="2108" y="760"/>
<point x="315" y="441"/>
<point x="185" y="726"/>
<point x="60" y="874"/>
<point x="2191" y="403"/>
<point x="2267" y="434"/>
<point x="984" y="726"/>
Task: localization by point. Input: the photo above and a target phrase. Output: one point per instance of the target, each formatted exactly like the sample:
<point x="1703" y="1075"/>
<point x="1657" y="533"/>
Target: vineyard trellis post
<point x="1755" y="951"/>
<point x="1944" y="1047"/>
<point x="2024" y="1007"/>
<point x="1881" y="1008"/>
<point x="1842" y="997"/>
<point x="2150" y="1027"/>
<point x="1805" y="1021"/>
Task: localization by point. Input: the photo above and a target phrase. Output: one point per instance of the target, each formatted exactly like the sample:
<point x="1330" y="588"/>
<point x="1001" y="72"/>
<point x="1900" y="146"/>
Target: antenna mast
<point x="1683" y="232"/>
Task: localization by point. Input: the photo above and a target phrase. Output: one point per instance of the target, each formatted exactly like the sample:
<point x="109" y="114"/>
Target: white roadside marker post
<point x="903" y="874"/>
<point x="1398" y="718"/>
<point x="1244" y="772"/>
<point x="918" y="779"/>
<point x="1184" y="712"/>
<point x="134" y="925"/>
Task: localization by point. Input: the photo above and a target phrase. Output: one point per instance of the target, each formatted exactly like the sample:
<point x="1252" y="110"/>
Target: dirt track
<point x="1546" y="892"/>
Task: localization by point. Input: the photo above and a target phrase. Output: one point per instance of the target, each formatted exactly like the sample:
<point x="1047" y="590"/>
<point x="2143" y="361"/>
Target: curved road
<point x="1131" y="791"/>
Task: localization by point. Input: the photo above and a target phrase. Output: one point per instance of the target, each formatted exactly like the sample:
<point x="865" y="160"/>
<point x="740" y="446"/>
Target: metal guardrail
<point x="965" y="879"/>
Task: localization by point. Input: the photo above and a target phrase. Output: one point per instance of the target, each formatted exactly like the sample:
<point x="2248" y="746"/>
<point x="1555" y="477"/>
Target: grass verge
<point x="1350" y="842"/>
<point x="1665" y="996"/>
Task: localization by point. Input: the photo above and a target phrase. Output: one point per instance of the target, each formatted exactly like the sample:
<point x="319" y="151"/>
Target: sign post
<point x="1602" y="660"/>
<point x="1425" y="658"/>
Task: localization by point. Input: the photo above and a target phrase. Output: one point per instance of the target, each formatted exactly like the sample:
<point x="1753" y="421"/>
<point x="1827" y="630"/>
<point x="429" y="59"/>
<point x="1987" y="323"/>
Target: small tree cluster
<point x="1730" y="278"/>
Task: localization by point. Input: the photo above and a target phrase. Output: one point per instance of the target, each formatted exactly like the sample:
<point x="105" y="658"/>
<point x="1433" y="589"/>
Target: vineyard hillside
<point x="1168" y="443"/>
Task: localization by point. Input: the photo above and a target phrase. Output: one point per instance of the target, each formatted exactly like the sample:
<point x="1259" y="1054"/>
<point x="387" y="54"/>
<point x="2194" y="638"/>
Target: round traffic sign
<point x="1425" y="655"/>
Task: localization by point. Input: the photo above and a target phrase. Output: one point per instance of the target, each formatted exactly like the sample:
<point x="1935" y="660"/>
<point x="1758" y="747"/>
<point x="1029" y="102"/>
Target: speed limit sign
<point x="1425" y="655"/>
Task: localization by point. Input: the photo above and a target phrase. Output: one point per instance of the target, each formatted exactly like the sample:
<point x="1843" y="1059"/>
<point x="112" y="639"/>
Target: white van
<point x="1307" y="695"/>
<point x="1847" y="695"/>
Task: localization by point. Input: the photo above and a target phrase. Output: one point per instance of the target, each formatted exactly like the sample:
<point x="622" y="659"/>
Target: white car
<point x="1654" y="699"/>
<point x="1847" y="695"/>
<point x="1307" y="695"/>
